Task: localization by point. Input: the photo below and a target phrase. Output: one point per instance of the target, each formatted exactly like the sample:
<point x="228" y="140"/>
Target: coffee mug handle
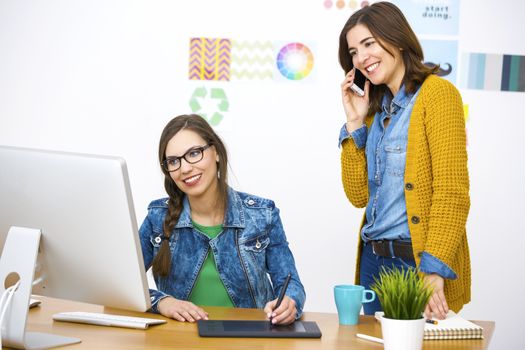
<point x="372" y="296"/>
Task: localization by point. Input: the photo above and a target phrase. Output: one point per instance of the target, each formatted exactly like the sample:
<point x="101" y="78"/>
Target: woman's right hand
<point x="355" y="106"/>
<point x="181" y="310"/>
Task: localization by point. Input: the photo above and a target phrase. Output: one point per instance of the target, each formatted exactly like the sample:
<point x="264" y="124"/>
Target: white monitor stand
<point x="19" y="256"/>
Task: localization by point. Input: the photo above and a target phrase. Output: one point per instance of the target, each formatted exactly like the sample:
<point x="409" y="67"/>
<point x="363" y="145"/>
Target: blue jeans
<point x="370" y="268"/>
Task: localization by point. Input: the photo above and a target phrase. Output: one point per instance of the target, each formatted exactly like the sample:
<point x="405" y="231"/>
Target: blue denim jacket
<point x="251" y="250"/>
<point x="385" y="148"/>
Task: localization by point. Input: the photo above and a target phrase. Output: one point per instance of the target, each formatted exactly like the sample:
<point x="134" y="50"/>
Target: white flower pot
<point x="402" y="334"/>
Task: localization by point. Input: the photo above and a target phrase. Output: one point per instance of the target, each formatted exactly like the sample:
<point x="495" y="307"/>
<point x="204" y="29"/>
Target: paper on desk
<point x="453" y="327"/>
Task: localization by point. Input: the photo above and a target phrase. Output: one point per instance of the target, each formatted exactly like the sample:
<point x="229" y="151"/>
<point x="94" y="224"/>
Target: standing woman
<point x="404" y="158"/>
<point x="208" y="244"/>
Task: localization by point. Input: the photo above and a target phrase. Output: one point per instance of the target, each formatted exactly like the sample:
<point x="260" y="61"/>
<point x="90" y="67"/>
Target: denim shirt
<point x="385" y="149"/>
<point x="250" y="251"/>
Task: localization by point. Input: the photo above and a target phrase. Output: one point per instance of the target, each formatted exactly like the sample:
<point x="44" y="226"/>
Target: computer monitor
<point x="89" y="247"/>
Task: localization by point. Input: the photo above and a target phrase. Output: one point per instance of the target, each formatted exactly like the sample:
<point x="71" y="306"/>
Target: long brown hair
<point x="388" y="25"/>
<point x="162" y="261"/>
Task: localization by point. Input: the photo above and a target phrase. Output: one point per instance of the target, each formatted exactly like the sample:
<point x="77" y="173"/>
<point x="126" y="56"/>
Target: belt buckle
<point x="392" y="249"/>
<point x="374" y="247"/>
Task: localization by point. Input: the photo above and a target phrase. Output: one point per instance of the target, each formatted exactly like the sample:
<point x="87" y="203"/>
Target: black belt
<point x="399" y="249"/>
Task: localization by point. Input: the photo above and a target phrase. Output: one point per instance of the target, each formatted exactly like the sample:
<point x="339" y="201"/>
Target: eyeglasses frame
<point x="164" y="163"/>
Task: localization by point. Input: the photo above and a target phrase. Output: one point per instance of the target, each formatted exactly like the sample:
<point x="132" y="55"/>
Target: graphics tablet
<point x="257" y="329"/>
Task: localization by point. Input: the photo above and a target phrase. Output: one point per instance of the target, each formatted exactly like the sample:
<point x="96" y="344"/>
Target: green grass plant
<point x="402" y="293"/>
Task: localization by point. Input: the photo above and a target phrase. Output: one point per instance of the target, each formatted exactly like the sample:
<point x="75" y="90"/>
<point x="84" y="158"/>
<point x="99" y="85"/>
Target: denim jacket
<point x="250" y="251"/>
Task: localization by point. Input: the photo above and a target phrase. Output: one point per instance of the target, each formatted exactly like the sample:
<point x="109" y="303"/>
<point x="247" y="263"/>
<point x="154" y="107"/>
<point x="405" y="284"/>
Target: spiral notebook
<point x="453" y="327"/>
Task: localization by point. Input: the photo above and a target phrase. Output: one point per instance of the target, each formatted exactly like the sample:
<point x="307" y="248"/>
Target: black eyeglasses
<point x="192" y="156"/>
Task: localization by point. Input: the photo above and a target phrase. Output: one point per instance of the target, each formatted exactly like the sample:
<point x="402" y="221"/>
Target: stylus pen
<point x="283" y="292"/>
<point x="369" y="337"/>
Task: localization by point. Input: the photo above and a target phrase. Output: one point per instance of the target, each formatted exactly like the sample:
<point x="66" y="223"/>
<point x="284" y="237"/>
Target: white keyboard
<point x="100" y="319"/>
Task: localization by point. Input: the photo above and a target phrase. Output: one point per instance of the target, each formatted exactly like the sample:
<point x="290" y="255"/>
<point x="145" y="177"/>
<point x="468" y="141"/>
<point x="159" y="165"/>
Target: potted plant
<point x="403" y="296"/>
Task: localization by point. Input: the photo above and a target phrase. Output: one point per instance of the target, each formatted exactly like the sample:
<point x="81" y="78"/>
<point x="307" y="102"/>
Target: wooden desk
<point x="179" y="335"/>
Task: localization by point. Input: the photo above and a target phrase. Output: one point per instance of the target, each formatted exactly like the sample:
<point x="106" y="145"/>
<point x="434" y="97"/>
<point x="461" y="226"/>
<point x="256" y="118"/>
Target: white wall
<point x="105" y="76"/>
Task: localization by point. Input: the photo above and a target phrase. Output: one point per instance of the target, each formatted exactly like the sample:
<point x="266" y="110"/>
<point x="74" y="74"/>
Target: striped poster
<point x="481" y="71"/>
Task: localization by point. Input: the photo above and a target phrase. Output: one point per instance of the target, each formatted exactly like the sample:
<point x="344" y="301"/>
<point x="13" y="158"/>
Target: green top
<point x="209" y="289"/>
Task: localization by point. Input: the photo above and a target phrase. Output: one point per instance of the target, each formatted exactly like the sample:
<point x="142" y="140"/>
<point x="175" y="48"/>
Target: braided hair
<point x="162" y="262"/>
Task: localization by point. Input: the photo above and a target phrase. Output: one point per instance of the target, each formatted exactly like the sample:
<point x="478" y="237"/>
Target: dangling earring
<point x="218" y="171"/>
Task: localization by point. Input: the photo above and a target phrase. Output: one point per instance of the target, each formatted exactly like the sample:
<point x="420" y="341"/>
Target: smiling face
<point x="377" y="64"/>
<point x="198" y="180"/>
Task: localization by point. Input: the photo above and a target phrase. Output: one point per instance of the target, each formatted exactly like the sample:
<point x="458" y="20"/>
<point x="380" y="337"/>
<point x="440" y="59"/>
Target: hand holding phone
<point x="355" y="99"/>
<point x="358" y="86"/>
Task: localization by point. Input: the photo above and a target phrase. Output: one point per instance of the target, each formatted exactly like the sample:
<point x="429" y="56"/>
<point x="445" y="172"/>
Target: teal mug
<point x="349" y="299"/>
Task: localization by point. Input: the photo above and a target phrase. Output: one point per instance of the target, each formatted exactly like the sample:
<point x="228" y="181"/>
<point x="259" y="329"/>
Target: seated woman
<point x="208" y="244"/>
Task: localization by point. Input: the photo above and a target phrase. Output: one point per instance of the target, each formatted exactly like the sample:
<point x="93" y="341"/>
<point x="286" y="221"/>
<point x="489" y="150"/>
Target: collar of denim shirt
<point x="401" y="100"/>
<point x="234" y="212"/>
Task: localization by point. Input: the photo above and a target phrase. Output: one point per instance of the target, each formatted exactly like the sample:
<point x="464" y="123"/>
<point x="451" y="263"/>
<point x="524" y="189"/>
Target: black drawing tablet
<point x="257" y="329"/>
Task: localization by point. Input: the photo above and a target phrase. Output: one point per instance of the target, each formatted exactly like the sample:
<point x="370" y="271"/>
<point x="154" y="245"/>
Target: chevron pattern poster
<point x="252" y="60"/>
<point x="481" y="71"/>
<point x="210" y="59"/>
<point x="227" y="60"/>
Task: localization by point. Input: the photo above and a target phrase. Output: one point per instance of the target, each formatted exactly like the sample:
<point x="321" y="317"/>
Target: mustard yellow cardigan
<point x="436" y="183"/>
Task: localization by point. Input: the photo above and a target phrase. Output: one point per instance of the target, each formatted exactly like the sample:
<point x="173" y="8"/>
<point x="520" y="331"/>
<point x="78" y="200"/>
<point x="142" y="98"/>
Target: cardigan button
<point x="409" y="186"/>
<point x="415" y="219"/>
<point x="420" y="254"/>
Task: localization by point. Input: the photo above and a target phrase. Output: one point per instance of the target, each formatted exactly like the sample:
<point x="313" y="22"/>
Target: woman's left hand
<point x="437" y="304"/>
<point x="284" y="314"/>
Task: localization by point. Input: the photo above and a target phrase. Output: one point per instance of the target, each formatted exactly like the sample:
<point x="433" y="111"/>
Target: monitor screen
<point x="89" y="247"/>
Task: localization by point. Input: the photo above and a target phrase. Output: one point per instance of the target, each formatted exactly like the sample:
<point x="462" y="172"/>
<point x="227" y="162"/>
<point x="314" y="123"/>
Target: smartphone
<point x="358" y="85"/>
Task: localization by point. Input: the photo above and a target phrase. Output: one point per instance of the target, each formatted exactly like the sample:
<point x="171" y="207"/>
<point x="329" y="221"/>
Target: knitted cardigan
<point x="436" y="183"/>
